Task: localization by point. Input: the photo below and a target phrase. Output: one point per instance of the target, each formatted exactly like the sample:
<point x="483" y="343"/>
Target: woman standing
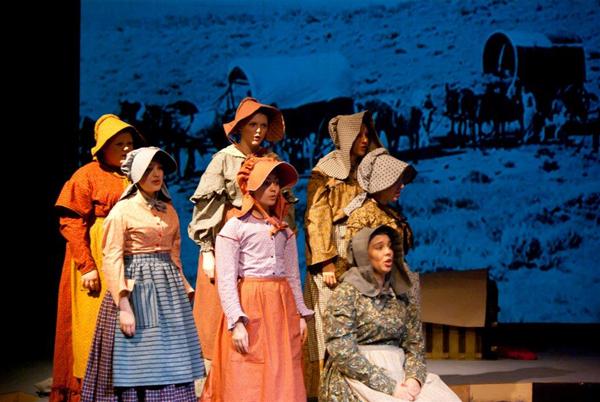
<point x="373" y="330"/>
<point x="215" y="198"/>
<point x="258" y="353"/>
<point x="84" y="202"/>
<point x="331" y="187"/>
<point x="382" y="177"/>
<point x="145" y="346"/>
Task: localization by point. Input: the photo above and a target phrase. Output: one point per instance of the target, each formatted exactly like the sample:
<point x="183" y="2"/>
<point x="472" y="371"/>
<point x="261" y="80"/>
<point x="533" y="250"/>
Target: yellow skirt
<point x="85" y="305"/>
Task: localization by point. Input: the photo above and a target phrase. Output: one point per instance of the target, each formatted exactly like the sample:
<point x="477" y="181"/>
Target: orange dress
<point x="258" y="282"/>
<point x="84" y="201"/>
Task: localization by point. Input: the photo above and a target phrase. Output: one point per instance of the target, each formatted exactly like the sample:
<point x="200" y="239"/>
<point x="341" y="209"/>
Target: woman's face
<point x="153" y="178"/>
<point x="360" y="146"/>
<point x="390" y="194"/>
<point x="381" y="254"/>
<point x="267" y="193"/>
<point x="116" y="149"/>
<point x="255" y="130"/>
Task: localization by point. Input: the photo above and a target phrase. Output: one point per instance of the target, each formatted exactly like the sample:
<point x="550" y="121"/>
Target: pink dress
<point x="259" y="283"/>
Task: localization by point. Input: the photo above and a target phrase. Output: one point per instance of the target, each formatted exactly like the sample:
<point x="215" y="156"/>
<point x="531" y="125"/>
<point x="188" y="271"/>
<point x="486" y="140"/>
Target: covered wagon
<point x="546" y="65"/>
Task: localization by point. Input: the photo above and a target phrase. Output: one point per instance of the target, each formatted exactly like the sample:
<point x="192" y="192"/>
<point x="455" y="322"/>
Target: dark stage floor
<point x="555" y="367"/>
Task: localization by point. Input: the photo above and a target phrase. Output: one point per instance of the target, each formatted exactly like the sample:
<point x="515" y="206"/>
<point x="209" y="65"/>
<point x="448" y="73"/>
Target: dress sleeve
<point x="75" y="207"/>
<point x="75" y="230"/>
<point x="293" y="274"/>
<point x="318" y="221"/>
<point x="176" y="247"/>
<point x="113" y="246"/>
<point x="76" y="194"/>
<point x="414" y="344"/>
<point x="355" y="222"/>
<point x="210" y="199"/>
<point x="340" y="338"/>
<point x="228" y="267"/>
<point x="290" y="217"/>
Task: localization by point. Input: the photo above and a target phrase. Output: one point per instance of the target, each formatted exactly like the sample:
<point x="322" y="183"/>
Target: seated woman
<point x="373" y="335"/>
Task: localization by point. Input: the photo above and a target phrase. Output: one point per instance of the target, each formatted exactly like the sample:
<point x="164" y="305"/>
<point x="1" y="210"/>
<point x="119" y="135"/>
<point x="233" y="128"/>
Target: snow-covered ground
<point x="530" y="214"/>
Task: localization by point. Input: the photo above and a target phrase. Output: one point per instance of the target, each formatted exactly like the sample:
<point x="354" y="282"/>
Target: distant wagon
<point x="308" y="89"/>
<point x="547" y="65"/>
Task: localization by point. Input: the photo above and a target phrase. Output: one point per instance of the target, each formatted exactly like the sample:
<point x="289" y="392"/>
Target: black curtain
<point x="40" y="130"/>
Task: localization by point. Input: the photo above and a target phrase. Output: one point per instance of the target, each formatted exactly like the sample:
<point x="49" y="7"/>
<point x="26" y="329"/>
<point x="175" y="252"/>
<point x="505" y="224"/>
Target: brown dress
<point x="331" y="187"/>
<point x="325" y="227"/>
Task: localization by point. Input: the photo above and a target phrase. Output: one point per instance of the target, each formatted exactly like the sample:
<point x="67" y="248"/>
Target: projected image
<point x="495" y="103"/>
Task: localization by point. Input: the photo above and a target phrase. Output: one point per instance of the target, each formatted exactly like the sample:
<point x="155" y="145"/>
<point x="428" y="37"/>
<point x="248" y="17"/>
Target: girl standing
<point x="215" y="198"/>
<point x="258" y="353"/>
<point x="145" y="346"/>
<point x="332" y="185"/>
<point x="382" y="177"/>
<point x="83" y="203"/>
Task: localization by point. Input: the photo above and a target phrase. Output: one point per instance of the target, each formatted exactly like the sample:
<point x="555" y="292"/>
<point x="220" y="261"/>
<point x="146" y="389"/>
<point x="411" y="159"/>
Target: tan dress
<point x="325" y="227"/>
<point x="331" y="187"/>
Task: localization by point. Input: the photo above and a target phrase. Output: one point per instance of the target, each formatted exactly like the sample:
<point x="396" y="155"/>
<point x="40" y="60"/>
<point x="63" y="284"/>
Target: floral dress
<point x="354" y="319"/>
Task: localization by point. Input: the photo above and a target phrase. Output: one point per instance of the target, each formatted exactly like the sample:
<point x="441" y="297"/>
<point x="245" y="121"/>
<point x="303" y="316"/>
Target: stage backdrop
<point x="508" y="178"/>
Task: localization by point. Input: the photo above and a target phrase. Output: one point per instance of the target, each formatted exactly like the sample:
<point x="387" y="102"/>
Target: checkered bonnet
<point x="343" y="130"/>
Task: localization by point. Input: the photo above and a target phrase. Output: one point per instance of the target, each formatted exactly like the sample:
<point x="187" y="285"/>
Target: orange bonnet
<point x="252" y="175"/>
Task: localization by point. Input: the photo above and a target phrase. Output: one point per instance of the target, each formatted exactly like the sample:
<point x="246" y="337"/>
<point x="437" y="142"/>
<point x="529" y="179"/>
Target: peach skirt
<point x="272" y="369"/>
<point x="207" y="311"/>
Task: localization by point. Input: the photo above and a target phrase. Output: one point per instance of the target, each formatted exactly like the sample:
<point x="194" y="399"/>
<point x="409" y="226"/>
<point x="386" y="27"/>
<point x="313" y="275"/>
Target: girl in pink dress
<point x="258" y="349"/>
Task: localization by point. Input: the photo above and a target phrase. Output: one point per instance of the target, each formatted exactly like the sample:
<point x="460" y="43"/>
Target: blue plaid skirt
<point x="163" y="358"/>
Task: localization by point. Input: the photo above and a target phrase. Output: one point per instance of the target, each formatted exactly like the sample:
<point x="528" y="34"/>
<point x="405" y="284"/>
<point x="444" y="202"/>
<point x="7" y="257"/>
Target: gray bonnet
<point x="136" y="163"/>
<point x="361" y="275"/>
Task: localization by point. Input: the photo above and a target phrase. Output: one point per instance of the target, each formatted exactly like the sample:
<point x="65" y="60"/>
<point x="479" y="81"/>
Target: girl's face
<point x="267" y="193"/>
<point x="381" y="254"/>
<point x="153" y="178"/>
<point x="255" y="130"/>
<point x="116" y="149"/>
<point x="390" y="194"/>
<point x="360" y="146"/>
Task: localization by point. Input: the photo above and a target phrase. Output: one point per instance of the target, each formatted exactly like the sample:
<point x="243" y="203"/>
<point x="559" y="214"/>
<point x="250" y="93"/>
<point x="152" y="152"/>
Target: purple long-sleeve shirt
<point x="246" y="248"/>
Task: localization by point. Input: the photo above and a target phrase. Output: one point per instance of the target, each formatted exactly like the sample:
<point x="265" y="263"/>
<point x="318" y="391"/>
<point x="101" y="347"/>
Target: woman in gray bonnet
<point x="375" y="346"/>
<point x="145" y="346"/>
